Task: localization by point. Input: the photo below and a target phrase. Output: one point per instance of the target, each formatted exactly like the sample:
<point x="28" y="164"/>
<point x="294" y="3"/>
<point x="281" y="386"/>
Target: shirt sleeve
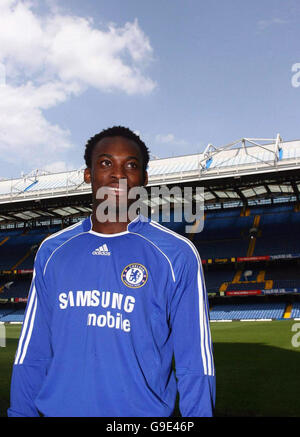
<point x="34" y="353"/>
<point x="193" y="351"/>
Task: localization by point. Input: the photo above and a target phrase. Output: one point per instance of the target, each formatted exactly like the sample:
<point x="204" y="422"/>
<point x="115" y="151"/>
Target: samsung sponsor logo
<point x="95" y="298"/>
<point x="103" y="299"/>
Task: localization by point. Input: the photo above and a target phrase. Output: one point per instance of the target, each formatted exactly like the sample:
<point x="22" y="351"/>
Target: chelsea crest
<point x="134" y="275"/>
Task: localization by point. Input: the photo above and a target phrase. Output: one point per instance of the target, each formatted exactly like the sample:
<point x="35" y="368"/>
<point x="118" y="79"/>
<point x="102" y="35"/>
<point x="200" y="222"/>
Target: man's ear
<point x="145" y="178"/>
<point x="87" y="175"/>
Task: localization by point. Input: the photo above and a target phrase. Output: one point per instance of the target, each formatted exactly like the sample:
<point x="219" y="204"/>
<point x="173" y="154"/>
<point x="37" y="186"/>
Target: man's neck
<point x="108" y="227"/>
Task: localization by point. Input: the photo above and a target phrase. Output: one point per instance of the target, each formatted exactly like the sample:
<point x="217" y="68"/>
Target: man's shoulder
<point x="55" y="240"/>
<point x="170" y="240"/>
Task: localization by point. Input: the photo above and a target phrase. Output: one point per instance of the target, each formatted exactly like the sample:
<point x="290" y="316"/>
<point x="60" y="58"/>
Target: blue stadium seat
<point x="247" y="311"/>
<point x="295" y="314"/>
<point x="17" y="246"/>
<point x="215" y="278"/>
<point x="246" y="286"/>
<point x="15" y="316"/>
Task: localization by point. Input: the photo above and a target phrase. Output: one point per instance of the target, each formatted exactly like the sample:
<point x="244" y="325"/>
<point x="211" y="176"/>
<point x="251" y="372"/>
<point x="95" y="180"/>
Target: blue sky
<point x="182" y="73"/>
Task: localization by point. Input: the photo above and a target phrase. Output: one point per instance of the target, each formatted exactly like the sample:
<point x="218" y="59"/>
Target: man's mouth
<point x="116" y="189"/>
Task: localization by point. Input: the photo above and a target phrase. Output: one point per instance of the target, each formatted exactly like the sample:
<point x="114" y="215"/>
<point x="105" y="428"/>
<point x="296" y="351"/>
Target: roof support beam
<point x="296" y="190"/>
<point x="242" y="197"/>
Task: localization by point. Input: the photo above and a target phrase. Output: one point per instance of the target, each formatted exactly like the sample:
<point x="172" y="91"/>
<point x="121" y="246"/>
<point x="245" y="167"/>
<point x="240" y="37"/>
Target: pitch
<point x="257" y="368"/>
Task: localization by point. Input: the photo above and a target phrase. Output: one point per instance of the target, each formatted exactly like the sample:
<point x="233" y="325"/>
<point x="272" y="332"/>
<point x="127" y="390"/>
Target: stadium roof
<point x="246" y="169"/>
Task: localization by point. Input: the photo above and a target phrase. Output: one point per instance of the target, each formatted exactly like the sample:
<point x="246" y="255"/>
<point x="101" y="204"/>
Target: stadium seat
<point x="247" y="311"/>
<point x="15" y="251"/>
<point x="295" y="314"/>
<point x="15" y="316"/>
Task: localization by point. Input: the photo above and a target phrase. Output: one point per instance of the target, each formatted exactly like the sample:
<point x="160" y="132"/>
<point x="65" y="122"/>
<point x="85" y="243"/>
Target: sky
<point x="181" y="73"/>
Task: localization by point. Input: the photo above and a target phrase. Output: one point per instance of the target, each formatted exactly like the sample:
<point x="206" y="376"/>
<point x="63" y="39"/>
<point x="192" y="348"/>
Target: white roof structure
<point x="243" y="157"/>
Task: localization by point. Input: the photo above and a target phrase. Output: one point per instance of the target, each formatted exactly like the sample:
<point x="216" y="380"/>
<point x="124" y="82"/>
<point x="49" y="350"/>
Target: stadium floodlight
<point x="61" y="212"/>
<point x="22" y="216"/>
<point x="274" y="188"/>
<point x="208" y="195"/>
<point x="84" y="209"/>
<point x="249" y="192"/>
<point x="32" y="214"/>
<point x="260" y="190"/>
<point x="221" y="194"/>
<point x="286" y="189"/>
<point x="70" y="210"/>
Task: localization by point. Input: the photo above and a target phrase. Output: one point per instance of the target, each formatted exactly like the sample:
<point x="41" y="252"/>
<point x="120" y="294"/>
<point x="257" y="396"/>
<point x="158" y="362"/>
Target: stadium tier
<point x="223" y="236"/>
<point x="13" y="316"/>
<point x="18" y="248"/>
<point x="250" y="311"/>
<point x="263" y="231"/>
<point x="295" y="313"/>
<point x="4" y="312"/>
<point x="246" y="311"/>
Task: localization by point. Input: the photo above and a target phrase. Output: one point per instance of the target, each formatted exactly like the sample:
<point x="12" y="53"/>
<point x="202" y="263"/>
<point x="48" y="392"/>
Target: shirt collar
<point x="133" y="226"/>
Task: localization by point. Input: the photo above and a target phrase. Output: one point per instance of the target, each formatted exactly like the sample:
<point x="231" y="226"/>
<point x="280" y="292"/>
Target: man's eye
<point x="105" y="163"/>
<point x="132" y="164"/>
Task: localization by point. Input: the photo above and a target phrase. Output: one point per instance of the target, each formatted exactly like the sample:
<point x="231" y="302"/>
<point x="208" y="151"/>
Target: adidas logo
<point x="102" y="250"/>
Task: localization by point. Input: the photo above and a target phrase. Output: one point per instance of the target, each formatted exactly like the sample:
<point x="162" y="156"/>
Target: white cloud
<point x="169" y="139"/>
<point x="88" y="56"/>
<point x="264" y="24"/>
<point x="57" y="167"/>
<point x="51" y="58"/>
<point x="25" y="134"/>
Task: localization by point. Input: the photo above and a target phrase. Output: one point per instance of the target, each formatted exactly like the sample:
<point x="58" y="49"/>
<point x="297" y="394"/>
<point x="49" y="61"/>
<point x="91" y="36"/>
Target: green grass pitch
<point x="257" y="368"/>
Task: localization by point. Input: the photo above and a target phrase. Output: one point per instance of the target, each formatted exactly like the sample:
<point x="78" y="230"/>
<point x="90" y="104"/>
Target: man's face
<point x="115" y="160"/>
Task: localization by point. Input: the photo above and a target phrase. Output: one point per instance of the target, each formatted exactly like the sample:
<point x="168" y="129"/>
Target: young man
<point x="109" y="306"/>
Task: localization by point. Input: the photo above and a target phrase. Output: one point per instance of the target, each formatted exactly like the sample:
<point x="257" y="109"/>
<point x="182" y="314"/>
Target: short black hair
<point x="116" y="131"/>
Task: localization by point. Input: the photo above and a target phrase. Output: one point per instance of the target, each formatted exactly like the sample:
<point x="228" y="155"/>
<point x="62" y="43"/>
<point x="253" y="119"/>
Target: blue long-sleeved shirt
<point x="105" y="314"/>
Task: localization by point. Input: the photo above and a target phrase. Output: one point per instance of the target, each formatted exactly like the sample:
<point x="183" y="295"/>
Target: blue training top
<point x="105" y="314"/>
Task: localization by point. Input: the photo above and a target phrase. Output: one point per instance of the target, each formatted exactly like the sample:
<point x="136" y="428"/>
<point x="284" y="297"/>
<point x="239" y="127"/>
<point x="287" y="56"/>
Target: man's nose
<point x="118" y="172"/>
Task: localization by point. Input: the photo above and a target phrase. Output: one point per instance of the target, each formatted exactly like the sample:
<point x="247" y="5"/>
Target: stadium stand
<point x="246" y="286"/>
<point x="223" y="235"/>
<point x="227" y="277"/>
<point x="248" y="311"/>
<point x="4" y="312"/>
<point x="278" y="232"/>
<point x="16" y="288"/>
<point x="18" y="248"/>
<point x="295" y="314"/>
<point x="15" y="316"/>
<point x="232" y="225"/>
<point x="249" y="245"/>
<point x="214" y="278"/>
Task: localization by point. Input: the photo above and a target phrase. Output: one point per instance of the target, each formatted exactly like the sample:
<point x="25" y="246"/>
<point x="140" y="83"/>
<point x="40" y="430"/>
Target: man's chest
<point x="109" y="285"/>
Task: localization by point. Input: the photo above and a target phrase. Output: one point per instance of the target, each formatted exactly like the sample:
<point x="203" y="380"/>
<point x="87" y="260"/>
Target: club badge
<point x="134" y="275"/>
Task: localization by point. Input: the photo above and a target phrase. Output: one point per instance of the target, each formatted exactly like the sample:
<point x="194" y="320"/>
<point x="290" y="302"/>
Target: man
<point x="110" y="304"/>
